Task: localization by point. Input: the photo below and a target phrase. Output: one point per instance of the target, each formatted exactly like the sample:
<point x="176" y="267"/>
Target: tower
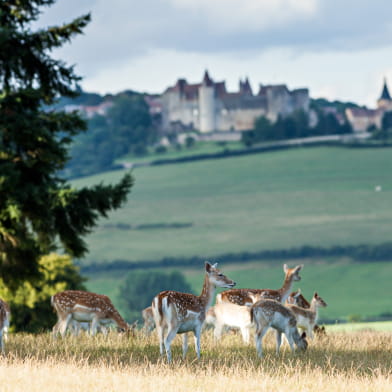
<point x="207" y="104"/>
<point x="385" y="101"/>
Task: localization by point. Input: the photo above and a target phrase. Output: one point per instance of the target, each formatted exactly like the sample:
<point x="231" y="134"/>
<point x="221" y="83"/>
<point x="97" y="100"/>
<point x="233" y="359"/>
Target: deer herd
<point x="173" y="313"/>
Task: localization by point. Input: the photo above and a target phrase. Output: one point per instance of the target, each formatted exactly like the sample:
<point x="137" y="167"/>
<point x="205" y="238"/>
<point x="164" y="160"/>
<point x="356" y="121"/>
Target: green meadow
<point x="321" y="197"/>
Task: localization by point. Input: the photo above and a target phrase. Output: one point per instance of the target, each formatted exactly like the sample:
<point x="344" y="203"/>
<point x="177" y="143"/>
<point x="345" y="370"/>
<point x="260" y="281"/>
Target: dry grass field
<point x="356" y="361"/>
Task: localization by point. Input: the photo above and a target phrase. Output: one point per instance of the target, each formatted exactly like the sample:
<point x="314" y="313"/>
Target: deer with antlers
<point x="4" y="323"/>
<point x="179" y="313"/>
<point x="268" y="313"/>
<point x="83" y="306"/>
<point x="248" y="296"/>
<point x="307" y="318"/>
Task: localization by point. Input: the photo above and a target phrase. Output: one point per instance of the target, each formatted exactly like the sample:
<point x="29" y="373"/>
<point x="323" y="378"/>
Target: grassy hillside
<point x="279" y="200"/>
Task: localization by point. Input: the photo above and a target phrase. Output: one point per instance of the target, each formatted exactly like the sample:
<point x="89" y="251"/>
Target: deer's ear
<point x="208" y="267"/>
<point x="285" y="268"/>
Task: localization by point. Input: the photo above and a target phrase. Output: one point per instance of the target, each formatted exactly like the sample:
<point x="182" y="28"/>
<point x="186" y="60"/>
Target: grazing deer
<point x="226" y="314"/>
<point x="307" y="318"/>
<point x="4" y="323"/>
<point x="83" y="306"/>
<point x="179" y="313"/>
<point x="243" y="296"/>
<point x="268" y="313"/>
<point x="148" y="318"/>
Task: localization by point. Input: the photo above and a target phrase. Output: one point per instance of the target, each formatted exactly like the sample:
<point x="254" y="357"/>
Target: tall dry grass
<point x="339" y="362"/>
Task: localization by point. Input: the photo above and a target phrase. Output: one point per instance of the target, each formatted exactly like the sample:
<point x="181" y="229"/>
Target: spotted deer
<point x="244" y="296"/>
<point x="83" y="306"/>
<point x="148" y="319"/>
<point x="307" y="318"/>
<point x="179" y="313"/>
<point x="296" y="298"/>
<point x="268" y="313"/>
<point x="226" y="314"/>
<point x="4" y="323"/>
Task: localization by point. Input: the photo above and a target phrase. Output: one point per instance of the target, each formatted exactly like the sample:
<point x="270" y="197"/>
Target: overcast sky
<point x="339" y="49"/>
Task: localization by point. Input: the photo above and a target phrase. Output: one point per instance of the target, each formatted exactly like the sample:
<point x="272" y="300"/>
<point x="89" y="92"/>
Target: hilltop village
<point x="209" y="107"/>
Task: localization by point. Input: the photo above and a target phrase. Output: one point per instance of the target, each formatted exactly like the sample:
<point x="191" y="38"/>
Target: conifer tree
<point x="40" y="210"/>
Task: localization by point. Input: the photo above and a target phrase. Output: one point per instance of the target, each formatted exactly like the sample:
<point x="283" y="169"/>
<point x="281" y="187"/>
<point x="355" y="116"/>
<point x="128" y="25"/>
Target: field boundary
<point x="359" y="253"/>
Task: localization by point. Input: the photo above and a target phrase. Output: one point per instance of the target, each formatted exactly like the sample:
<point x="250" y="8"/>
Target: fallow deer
<point x="243" y="296"/>
<point x="179" y="313"/>
<point x="4" y="323"/>
<point x="296" y="298"/>
<point x="148" y="318"/>
<point x="307" y="318"/>
<point x="84" y="306"/>
<point x="226" y="314"/>
<point x="268" y="313"/>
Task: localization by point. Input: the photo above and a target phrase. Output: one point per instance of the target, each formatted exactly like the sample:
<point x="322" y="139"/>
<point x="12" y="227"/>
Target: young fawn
<point x="307" y="318"/>
<point x="244" y="296"/>
<point x="181" y="312"/>
<point x="296" y="298"/>
<point x="269" y="313"/>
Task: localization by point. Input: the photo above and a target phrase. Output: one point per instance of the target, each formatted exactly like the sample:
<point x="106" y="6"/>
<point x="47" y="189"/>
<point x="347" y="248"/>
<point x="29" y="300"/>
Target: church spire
<point x="385" y="92"/>
<point x="207" y="81"/>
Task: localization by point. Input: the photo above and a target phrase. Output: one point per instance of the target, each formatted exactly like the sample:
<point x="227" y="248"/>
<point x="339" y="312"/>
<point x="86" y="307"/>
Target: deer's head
<point x="293" y="273"/>
<point x="217" y="278"/>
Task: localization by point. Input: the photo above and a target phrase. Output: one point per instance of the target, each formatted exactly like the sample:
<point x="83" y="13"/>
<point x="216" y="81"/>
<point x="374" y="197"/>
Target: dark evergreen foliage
<point x="38" y="208"/>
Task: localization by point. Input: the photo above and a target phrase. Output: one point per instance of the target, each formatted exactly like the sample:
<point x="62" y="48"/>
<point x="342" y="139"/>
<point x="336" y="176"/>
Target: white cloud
<point x="340" y="48"/>
<point x="248" y="15"/>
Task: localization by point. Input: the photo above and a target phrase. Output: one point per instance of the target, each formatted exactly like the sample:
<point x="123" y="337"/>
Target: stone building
<point x="209" y="107"/>
<point x="361" y="119"/>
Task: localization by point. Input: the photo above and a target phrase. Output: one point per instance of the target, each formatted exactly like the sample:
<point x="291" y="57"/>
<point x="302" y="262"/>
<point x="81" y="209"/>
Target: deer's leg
<point x="290" y="339"/>
<point x="55" y="329"/>
<point x="171" y="334"/>
<point x="278" y="341"/>
<point x="1" y="341"/>
<point x="261" y="331"/>
<point x="75" y="328"/>
<point x="160" y="332"/>
<point x="218" y="330"/>
<point x="94" y="325"/>
<point x="64" y="325"/>
<point x="245" y="334"/>
<point x="309" y="331"/>
<point x="184" y="344"/>
<point x="197" y="333"/>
